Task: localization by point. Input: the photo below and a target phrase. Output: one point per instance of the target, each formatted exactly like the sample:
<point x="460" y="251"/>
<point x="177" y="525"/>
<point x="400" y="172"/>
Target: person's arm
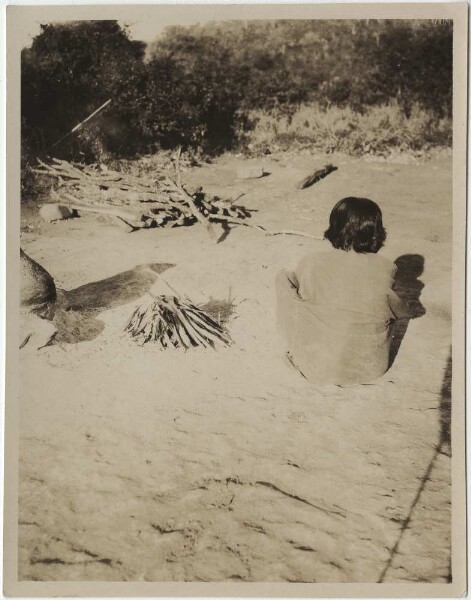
<point x="399" y="307"/>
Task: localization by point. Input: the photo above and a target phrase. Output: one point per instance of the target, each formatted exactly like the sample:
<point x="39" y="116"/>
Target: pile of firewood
<point x="171" y="322"/>
<point x="140" y="202"/>
<point x="144" y="201"/>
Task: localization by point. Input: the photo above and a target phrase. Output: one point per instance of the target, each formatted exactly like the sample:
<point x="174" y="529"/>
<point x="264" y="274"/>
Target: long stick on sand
<point x="234" y="221"/>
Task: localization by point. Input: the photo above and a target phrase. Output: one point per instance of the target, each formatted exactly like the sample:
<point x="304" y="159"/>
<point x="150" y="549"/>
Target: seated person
<point x="336" y="310"/>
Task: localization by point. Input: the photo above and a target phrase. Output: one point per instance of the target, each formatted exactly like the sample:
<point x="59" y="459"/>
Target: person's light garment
<point x="335" y="312"/>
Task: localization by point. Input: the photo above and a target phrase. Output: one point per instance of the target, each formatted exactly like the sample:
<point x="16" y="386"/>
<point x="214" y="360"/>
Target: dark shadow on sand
<point x="445" y="408"/>
<point x="408" y="287"/>
<point x="76" y="311"/>
<point x="226" y="230"/>
<point x="443" y="447"/>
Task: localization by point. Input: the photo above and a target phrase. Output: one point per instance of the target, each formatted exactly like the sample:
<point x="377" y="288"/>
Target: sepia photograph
<point x="235" y="282"/>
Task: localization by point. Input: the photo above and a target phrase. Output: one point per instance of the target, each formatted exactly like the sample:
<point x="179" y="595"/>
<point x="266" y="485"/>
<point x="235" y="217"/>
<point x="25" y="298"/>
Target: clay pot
<point x="37" y="288"/>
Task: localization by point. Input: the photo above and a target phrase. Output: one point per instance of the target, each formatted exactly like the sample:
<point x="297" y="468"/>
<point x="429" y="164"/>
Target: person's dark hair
<point x="356" y="223"/>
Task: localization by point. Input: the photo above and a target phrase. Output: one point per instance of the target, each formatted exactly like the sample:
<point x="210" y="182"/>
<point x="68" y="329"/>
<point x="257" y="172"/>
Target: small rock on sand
<point x="250" y="172"/>
<point x="56" y="212"/>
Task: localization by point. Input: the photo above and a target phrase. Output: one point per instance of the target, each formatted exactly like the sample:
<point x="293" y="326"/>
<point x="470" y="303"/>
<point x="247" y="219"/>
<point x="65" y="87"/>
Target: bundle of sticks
<point x="140" y="202"/>
<point x="171" y="322"/>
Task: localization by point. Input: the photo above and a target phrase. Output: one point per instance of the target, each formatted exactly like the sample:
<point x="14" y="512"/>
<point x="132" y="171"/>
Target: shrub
<point x="379" y="130"/>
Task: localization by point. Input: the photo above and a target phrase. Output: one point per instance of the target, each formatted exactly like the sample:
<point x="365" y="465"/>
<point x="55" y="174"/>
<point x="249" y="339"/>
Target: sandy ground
<point x="141" y="465"/>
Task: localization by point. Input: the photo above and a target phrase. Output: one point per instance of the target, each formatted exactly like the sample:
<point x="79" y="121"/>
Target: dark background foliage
<point x="195" y="86"/>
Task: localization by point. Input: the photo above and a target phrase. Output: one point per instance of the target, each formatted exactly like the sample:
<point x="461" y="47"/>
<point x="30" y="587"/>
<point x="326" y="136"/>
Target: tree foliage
<point x="72" y="69"/>
<point x="195" y="84"/>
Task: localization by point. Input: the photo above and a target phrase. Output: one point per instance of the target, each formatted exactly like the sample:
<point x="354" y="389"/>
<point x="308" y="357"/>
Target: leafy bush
<point x="333" y="62"/>
<point x="200" y="86"/>
<point x="377" y="131"/>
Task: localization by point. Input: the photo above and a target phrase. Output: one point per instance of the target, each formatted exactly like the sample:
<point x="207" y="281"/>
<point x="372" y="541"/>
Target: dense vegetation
<point x="207" y="87"/>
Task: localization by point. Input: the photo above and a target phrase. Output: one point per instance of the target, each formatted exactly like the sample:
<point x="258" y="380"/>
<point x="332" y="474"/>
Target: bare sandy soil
<point x="142" y="465"/>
